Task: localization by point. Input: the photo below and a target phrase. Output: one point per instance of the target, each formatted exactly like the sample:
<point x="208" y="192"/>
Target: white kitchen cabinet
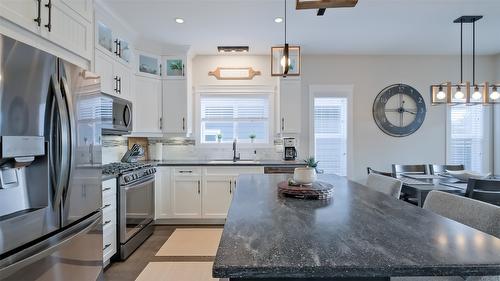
<point x="54" y="20"/>
<point x="219" y="184"/>
<point x="124" y="76"/>
<point x="163" y="205"/>
<point x="147" y="105"/>
<point x="104" y="68"/>
<point x="186" y="193"/>
<point x="109" y="219"/>
<point x="111" y="43"/>
<point x="175" y="107"/>
<point x="116" y="78"/>
<point x="84" y="8"/>
<point x="290" y="106"/>
<point x="216" y="196"/>
<point x="22" y="13"/>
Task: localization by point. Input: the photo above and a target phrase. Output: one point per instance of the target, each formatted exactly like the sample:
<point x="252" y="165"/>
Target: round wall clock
<point x="399" y="110"/>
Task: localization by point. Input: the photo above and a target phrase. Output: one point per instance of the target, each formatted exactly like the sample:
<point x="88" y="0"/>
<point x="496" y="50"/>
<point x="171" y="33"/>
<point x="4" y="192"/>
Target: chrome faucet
<point x="235" y="158"/>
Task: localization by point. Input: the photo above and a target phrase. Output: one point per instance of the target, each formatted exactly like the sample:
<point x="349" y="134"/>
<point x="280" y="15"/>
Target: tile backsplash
<point x="186" y="149"/>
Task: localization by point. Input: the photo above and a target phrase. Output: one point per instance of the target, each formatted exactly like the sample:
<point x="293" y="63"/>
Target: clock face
<point x="399" y="110"/>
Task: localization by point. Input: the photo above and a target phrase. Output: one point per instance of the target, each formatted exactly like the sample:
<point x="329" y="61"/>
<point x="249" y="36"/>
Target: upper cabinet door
<point x="83" y="8"/>
<point x="67" y="28"/>
<point x="104" y="37"/>
<point x="122" y="73"/>
<point x="175" y="106"/>
<point x="104" y="68"/>
<point x="290" y="106"/>
<point x="23" y="13"/>
<point x="147" y="105"/>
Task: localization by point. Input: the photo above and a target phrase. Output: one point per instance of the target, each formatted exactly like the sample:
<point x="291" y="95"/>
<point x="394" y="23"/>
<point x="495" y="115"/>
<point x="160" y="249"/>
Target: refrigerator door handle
<point x="47" y="247"/>
<point x="63" y="137"/>
<point x="71" y="129"/>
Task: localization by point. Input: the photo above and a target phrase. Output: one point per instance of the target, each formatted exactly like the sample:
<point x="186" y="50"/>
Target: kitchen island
<point x="360" y="234"/>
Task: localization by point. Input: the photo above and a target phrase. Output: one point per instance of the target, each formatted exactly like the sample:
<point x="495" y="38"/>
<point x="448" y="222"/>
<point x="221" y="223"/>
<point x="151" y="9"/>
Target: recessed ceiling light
<point x="278" y="20"/>
<point x="179" y="20"/>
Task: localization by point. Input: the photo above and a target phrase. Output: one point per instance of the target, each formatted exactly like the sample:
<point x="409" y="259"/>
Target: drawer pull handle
<point x="106" y="189"/>
<point x="106" y="222"/>
<point x="199" y="187"/>
<point x="185" y="172"/>
<point x="106" y="246"/>
<point x="105" y="206"/>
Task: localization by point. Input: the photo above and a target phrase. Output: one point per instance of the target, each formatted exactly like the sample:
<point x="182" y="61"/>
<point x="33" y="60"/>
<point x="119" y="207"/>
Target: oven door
<point x="136" y="207"/>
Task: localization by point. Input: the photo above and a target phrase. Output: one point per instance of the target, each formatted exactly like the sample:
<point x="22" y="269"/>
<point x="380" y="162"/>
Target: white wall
<point x="369" y="75"/>
<point x="203" y="64"/>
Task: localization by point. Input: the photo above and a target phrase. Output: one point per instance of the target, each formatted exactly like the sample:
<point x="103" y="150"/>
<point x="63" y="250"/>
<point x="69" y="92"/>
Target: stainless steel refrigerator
<point x="50" y="167"/>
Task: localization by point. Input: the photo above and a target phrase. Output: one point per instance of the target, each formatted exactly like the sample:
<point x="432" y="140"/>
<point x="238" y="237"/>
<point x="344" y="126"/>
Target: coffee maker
<point x="289" y="150"/>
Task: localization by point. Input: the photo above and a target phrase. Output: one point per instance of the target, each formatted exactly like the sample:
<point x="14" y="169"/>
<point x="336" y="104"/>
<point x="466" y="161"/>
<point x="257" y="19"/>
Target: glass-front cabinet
<point x="110" y="42"/>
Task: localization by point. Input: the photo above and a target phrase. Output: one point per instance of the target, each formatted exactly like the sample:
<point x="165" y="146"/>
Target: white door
<point x="290" y="106"/>
<point x="124" y="82"/>
<point x="104" y="68"/>
<point x="330" y="124"/>
<point x="22" y="13"/>
<point x="147" y="105"/>
<point x="186" y="195"/>
<point x="216" y="196"/>
<point x="162" y="193"/>
<point x="68" y="29"/>
<point x="175" y="106"/>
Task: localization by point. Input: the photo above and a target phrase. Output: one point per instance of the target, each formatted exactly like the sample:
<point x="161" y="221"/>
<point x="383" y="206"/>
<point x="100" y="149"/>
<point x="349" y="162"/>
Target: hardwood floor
<point x="130" y="269"/>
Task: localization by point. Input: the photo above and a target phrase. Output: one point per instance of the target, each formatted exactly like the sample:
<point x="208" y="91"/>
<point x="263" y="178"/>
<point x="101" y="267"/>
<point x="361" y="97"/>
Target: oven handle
<point x="137" y="184"/>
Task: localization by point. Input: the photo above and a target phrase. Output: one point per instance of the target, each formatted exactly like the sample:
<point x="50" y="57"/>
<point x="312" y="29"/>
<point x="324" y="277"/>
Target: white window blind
<point x="468" y="141"/>
<point x="234" y="117"/>
<point x="330" y="134"/>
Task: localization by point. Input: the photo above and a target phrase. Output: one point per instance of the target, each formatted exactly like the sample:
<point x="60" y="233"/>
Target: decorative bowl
<point x="304" y="175"/>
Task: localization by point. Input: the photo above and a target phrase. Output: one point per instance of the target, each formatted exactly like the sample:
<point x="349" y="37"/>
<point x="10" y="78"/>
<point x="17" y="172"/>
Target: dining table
<point x="418" y="186"/>
<point x="357" y="234"/>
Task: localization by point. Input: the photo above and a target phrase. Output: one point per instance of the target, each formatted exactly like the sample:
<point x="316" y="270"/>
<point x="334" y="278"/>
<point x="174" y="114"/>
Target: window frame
<point x="334" y="91"/>
<point x="487" y="132"/>
<point x="235" y="91"/>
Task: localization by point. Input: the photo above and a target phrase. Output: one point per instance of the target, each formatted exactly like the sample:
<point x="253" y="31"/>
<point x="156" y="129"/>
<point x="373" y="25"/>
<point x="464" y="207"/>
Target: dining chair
<point x="385" y="184"/>
<point x="373" y="171"/>
<point x="484" y="190"/>
<point x="474" y="213"/>
<point x="397" y="170"/>
<point x="440" y="169"/>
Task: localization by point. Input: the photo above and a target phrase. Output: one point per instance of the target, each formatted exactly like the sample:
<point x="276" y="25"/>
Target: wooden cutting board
<point x="142" y="142"/>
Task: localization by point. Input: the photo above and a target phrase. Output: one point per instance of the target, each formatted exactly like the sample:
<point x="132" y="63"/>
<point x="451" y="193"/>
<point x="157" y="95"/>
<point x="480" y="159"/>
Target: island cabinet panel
<point x="186" y="193"/>
<point x="163" y="205"/>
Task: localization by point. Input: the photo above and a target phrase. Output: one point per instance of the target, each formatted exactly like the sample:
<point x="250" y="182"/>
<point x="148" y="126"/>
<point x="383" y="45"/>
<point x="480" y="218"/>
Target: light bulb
<point x="458" y="94"/>
<point x="494" y="95"/>
<point x="283" y="61"/>
<point x="477" y="94"/>
<point x="441" y="95"/>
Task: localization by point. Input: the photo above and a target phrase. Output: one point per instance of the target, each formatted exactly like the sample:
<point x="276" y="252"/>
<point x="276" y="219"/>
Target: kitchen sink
<point x="232" y="162"/>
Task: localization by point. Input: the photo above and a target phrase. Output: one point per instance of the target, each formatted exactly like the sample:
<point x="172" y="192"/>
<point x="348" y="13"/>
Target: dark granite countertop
<point x="269" y="163"/>
<point x="360" y="233"/>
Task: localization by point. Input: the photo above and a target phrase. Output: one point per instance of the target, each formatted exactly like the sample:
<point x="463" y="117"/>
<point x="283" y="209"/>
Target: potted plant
<point x="176" y="67"/>
<point x="306" y="175"/>
<point x="252" y="137"/>
<point x="219" y="138"/>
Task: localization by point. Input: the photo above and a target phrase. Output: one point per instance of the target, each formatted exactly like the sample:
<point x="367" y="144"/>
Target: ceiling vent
<point x="232" y="49"/>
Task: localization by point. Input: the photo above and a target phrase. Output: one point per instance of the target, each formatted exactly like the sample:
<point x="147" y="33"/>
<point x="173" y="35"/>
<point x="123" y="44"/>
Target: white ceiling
<point x="372" y="27"/>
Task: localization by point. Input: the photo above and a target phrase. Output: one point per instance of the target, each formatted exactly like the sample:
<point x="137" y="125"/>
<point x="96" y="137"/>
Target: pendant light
<point x="443" y="93"/>
<point x="285" y="60"/>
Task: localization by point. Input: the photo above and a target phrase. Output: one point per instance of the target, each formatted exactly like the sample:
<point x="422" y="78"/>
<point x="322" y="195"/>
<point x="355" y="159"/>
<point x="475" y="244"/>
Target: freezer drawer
<point x="73" y="254"/>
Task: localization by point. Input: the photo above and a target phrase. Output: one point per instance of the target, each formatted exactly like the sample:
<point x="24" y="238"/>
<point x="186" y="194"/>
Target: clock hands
<point x="402" y="110"/>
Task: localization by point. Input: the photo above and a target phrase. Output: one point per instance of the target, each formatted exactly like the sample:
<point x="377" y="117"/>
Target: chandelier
<point x="466" y="92"/>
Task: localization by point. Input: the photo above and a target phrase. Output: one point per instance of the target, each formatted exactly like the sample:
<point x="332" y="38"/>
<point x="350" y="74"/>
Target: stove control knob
<point x="127" y="178"/>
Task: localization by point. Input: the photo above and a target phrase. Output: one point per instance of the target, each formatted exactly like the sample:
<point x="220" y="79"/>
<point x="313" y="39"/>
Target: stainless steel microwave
<point x="116" y="114"/>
